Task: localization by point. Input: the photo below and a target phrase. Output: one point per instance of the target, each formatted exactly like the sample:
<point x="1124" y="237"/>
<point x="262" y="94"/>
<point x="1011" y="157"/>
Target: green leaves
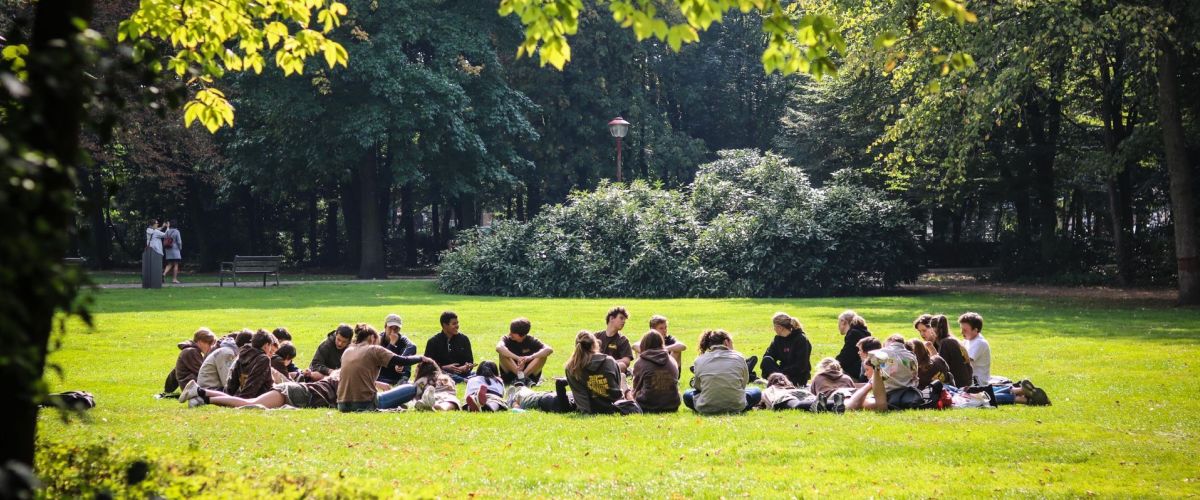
<point x="14" y="55"/>
<point x="212" y="38"/>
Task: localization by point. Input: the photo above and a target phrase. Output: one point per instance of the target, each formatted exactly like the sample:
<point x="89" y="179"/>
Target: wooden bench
<point x="250" y="264"/>
<point x="75" y="261"/>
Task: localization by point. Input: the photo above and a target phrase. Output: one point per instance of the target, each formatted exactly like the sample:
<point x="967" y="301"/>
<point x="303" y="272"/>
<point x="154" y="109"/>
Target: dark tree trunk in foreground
<point x="31" y="293"/>
<point x="1183" y="204"/>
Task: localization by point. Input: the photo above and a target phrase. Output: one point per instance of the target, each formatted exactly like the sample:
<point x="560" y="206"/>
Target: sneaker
<point x="876" y="358"/>
<point x="482" y="397"/>
<point x="196" y="401"/>
<point x="1027" y="387"/>
<point x="837" y="403"/>
<point x="472" y="402"/>
<point x="561" y="383"/>
<point x="189" y="392"/>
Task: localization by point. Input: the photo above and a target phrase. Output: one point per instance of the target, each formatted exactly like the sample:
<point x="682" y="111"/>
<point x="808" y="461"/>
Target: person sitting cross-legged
<point x="451" y="349"/>
<point x="721" y="377"/>
<point x="596" y="379"/>
<point x="522" y="356"/>
<point x="361" y="364"/>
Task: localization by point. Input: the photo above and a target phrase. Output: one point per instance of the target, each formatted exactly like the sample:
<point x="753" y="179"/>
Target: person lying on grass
<point x="721" y="378"/>
<point x="319" y="394"/>
<point x="893" y="379"/>
<point x="485" y="390"/>
<point x="780" y="394"/>
<point x="361" y="363"/>
<point x="435" y="390"/>
<point x="670" y="344"/>
<point x="656" y="376"/>
<point x="790" y="351"/>
<point x="252" y="374"/>
<point x="596" y="379"/>
<point x="560" y="401"/>
<point x="864" y="346"/>
<point x="522" y="356"/>
<point x="829" y="378"/>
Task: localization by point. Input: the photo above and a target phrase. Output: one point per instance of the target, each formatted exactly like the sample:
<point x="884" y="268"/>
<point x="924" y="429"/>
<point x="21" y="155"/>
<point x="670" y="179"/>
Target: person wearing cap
<point x="395" y="373"/>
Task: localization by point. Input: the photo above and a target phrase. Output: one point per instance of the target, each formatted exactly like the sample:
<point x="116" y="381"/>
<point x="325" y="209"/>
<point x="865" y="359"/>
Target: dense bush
<point x="750" y="225"/>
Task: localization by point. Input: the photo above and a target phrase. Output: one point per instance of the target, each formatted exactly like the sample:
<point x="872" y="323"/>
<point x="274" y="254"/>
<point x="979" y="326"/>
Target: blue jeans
<point x="753" y="396"/>
<point x="397" y="396"/>
<point x="1004" y="395"/>
<point x="458" y="379"/>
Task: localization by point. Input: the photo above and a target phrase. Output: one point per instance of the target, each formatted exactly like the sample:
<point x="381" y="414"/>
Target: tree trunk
<point x="93" y="202"/>
<point x="352" y="221"/>
<point x="1043" y="127"/>
<point x="408" y="223"/>
<point x="33" y="292"/>
<point x="330" y="249"/>
<point x="313" y="215"/>
<point x="1120" y="202"/>
<point x="1183" y="204"/>
<point x="371" y="223"/>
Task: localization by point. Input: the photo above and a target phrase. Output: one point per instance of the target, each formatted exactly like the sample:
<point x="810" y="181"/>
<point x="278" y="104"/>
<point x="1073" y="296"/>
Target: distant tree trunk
<point x="352" y="220"/>
<point x="408" y="222"/>
<point x="1116" y="129"/>
<point x="1120" y="212"/>
<point x="371" y="264"/>
<point x="436" y="228"/>
<point x="93" y="203"/>
<point x="1044" y="127"/>
<point x="55" y="66"/>
<point x="1183" y="201"/>
<point x="330" y="247"/>
<point x="313" y="215"/>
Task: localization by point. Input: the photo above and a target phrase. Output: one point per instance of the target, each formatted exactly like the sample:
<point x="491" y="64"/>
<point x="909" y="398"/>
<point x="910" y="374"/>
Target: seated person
<point x="672" y="345"/>
<point x="483" y="384"/>
<point x="930" y="366"/>
<point x="451" y="349"/>
<point x="656" y="376"/>
<point x="721" y="378"/>
<point x="252" y="374"/>
<point x="214" y="371"/>
<point x="400" y="345"/>
<point x="789" y="352"/>
<point x="951" y="350"/>
<point x="328" y="356"/>
<point x="865" y="345"/>
<point x="361" y="363"/>
<point x="522" y="356"/>
<point x="594" y="377"/>
<point x="191" y="356"/>
<point x="282" y="361"/>
<point x="853" y="329"/>
<point x="559" y="401"/>
<point x="978" y="349"/>
<point x="435" y="390"/>
<point x="612" y="343"/>
<point x="830" y="378"/>
<point x="282" y="335"/>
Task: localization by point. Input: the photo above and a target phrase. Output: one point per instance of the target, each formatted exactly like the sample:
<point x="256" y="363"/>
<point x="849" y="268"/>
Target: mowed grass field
<point x="1122" y="378"/>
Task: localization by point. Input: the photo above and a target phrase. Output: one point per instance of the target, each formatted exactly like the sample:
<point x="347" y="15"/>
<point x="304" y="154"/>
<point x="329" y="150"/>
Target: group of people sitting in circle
<point x="360" y="369"/>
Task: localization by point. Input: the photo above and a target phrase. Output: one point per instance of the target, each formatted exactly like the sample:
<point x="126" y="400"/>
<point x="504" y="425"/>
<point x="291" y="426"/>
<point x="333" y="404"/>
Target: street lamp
<point x="618" y="127"/>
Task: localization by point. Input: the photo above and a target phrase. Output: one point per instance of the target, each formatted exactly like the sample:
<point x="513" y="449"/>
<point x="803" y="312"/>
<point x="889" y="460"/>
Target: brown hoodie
<point x="656" y="382"/>
<point x="827" y="382"/>
<point x="251" y="375"/>
<point x="187" y="366"/>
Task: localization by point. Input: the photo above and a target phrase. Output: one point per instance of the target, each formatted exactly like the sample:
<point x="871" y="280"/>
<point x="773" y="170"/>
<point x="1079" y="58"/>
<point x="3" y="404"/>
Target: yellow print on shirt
<point x="598" y="385"/>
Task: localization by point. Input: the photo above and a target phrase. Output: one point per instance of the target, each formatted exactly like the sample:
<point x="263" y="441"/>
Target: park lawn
<point x="1121" y="378"/>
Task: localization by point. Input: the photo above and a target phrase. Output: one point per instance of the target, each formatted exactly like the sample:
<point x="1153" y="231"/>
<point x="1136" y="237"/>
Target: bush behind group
<point x="750" y="225"/>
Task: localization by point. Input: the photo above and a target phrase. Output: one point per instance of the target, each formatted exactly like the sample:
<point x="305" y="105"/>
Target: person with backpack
<point x="656" y="376"/>
<point x="853" y="329"/>
<point x="172" y="244"/>
<point x="790" y="351"/>
<point x="595" y="378"/>
<point x="721" y="377"/>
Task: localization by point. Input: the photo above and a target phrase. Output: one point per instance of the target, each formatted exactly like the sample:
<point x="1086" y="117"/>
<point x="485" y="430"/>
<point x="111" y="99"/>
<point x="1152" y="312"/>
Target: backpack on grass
<point x="71" y="400"/>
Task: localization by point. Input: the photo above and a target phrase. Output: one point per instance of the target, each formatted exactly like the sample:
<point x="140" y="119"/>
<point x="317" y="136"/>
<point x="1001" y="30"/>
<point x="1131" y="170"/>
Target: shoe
<point x="196" y="401"/>
<point x="876" y="358"/>
<point x="837" y="403"/>
<point x="189" y="392"/>
<point x="560" y="383"/>
<point x="750" y="364"/>
<point x="1027" y="386"/>
<point x="820" y="405"/>
<point x="482" y="397"/>
<point x="472" y="403"/>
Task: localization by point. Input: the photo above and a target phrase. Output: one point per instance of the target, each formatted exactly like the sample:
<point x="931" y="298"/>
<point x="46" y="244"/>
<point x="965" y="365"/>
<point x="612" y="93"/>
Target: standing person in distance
<point x="172" y="244"/>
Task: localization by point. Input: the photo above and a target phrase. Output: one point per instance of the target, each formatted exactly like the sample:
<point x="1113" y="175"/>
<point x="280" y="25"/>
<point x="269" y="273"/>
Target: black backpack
<point x="71" y="400"/>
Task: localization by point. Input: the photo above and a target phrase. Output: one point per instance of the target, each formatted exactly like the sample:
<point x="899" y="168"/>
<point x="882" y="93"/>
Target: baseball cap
<point x="392" y="319"/>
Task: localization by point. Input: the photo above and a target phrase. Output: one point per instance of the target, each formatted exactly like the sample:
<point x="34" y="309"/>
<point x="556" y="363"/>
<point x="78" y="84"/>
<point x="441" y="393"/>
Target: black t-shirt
<point x="447" y="350"/>
<point x="616" y="346"/>
<point x="525" y="347"/>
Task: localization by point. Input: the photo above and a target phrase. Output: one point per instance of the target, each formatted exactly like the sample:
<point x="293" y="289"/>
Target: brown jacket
<point x="827" y="382"/>
<point x="187" y="366"/>
<point x="251" y="375"/>
<point x="656" y="382"/>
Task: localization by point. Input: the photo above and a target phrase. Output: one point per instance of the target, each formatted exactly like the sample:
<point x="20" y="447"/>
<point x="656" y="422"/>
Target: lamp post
<point x="618" y="127"/>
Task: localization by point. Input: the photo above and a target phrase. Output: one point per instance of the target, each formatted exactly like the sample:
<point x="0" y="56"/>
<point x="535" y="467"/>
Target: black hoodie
<point x="656" y="382"/>
<point x="791" y="354"/>
<point x="599" y="388"/>
<point x="328" y="357"/>
<point x="848" y="357"/>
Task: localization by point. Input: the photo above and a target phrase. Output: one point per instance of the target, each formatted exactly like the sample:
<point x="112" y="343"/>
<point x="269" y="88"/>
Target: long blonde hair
<point x="585" y="346"/>
<point x="853" y="319"/>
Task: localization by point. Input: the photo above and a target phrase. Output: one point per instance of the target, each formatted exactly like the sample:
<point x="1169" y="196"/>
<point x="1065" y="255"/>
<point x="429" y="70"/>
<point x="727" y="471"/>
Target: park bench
<point x="75" y="261"/>
<point x="249" y="264"/>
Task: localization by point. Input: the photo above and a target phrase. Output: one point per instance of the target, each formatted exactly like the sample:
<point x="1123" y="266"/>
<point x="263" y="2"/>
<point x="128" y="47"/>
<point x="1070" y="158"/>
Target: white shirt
<point x="154" y="239"/>
<point x="981" y="359"/>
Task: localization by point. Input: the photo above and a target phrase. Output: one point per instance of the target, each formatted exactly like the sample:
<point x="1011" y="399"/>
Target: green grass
<point x="1122" y="379"/>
